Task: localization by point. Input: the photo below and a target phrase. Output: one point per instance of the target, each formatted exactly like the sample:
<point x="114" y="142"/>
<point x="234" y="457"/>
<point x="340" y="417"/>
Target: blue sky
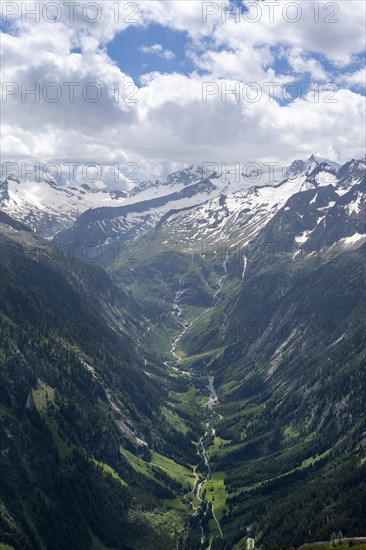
<point x="130" y="51"/>
<point x="125" y="50"/>
<point x="171" y="54"/>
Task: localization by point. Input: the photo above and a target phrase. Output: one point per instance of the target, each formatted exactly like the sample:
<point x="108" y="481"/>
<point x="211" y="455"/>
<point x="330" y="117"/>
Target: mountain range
<point x="183" y="364"/>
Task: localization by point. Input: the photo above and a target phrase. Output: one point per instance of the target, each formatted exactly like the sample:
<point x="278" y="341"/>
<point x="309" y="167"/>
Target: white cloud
<point x="245" y="63"/>
<point x="158" y="50"/>
<point x="356" y="79"/>
<point x="170" y="125"/>
<point x="300" y="63"/>
<point x="338" y="35"/>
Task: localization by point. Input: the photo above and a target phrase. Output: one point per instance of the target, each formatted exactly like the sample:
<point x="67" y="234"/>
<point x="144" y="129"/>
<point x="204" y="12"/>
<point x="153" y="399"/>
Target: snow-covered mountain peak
<point x="11" y="177"/>
<point x="316" y="157"/>
<point x="316" y="160"/>
<point x="47" y="207"/>
<point x="316" y="169"/>
<point x="183" y="177"/>
<point x="296" y="167"/>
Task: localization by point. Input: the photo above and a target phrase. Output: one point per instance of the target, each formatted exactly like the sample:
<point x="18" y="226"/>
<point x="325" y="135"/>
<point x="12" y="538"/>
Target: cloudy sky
<point x="163" y="84"/>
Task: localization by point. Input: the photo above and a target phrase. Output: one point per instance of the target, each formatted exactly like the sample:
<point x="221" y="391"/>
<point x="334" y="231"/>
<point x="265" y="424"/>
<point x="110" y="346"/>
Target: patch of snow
<point x="355" y="206"/>
<point x="353" y="239"/>
<point x="313" y="200"/>
<point x="303" y="237"/>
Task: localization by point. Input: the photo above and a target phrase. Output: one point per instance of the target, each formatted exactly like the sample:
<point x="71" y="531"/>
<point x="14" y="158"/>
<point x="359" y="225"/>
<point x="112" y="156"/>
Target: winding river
<point x="199" y="483"/>
<point x="213" y="400"/>
<point x="211" y="403"/>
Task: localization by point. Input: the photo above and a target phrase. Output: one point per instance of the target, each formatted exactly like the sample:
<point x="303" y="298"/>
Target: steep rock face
<point x="77" y="407"/>
<point x="292" y="345"/>
<point x="316" y="219"/>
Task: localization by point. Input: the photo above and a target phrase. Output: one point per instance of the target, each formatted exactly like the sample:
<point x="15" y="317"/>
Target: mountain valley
<point x="183" y="367"/>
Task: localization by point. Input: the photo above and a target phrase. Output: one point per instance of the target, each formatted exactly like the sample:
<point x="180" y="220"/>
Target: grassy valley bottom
<point x="276" y="490"/>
